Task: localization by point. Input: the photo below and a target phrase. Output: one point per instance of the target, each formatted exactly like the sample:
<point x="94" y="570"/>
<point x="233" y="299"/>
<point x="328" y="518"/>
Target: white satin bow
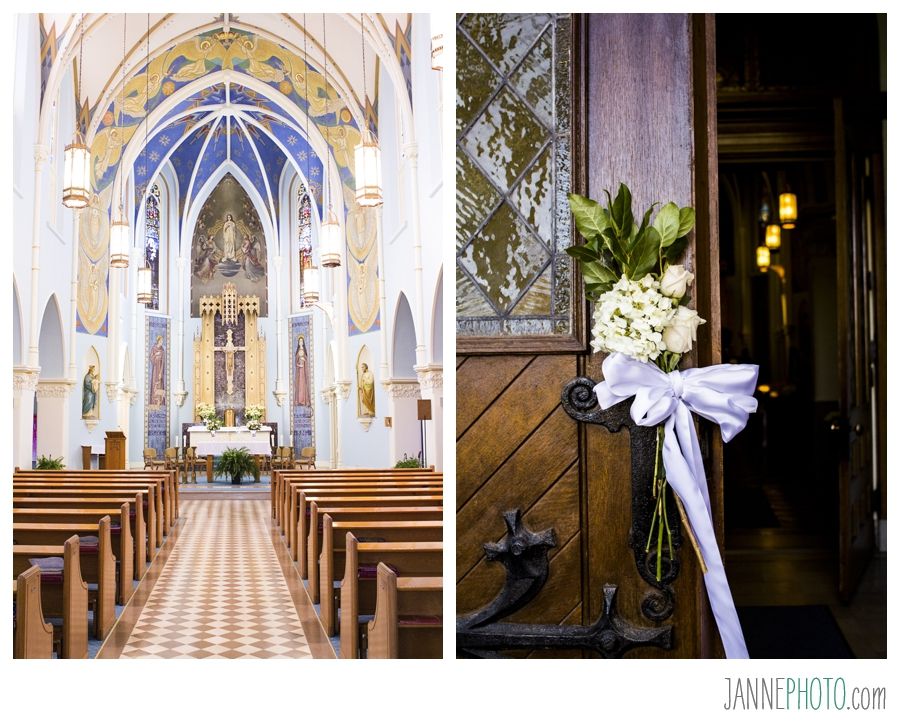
<point x="720" y="393"/>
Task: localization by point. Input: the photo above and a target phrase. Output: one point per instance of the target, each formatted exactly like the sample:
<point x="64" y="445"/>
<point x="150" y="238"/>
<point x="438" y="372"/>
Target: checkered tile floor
<point x="222" y="593"/>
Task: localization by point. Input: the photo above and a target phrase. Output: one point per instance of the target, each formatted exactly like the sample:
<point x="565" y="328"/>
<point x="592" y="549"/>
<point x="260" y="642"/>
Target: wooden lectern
<point x="115" y="450"/>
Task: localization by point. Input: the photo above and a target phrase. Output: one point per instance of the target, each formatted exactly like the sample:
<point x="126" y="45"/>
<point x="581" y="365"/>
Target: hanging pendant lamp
<point x="331" y="238"/>
<point x="310" y="285"/>
<point x="77" y="157"/>
<point x="119" y="230"/>
<point x="367" y="155"/>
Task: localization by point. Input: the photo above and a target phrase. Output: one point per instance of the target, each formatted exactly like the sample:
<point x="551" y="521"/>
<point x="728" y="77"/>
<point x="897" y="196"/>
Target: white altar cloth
<point x="209" y="443"/>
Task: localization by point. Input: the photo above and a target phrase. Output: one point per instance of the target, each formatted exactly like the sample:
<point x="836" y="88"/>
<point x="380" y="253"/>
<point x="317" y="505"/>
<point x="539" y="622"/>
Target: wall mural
<point x="228" y="246"/>
<point x="302" y="384"/>
<point x="156" y="384"/>
<point x="362" y="268"/>
<point x="93" y="267"/>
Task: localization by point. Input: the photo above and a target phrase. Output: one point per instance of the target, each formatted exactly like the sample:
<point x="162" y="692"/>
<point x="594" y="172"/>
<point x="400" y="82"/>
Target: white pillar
<point x="53" y="419"/>
<point x="382" y="293"/>
<point x="431" y="380"/>
<point x="411" y="151"/>
<point x="404" y="436"/>
<point x="180" y="391"/>
<point x="73" y="311"/>
<point x="24" y="384"/>
<point x="282" y="350"/>
<point x="41" y="154"/>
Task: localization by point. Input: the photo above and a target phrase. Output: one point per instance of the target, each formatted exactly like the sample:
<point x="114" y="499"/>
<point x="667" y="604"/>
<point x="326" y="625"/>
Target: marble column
<point x="411" y="151"/>
<point x="53" y="398"/>
<point x="431" y="381"/>
<point x="24" y="384"/>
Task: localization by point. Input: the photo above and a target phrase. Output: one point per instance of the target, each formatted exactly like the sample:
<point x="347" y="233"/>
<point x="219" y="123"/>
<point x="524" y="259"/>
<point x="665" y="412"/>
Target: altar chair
<point x="283" y="459"/>
<point x="170" y="459"/>
<point x="192" y="463"/>
<point x="307" y="459"/>
<point x="151" y="461"/>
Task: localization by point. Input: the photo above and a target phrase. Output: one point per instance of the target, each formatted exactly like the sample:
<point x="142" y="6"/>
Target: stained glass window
<point x="304" y="232"/>
<point x="513" y="169"/>
<point x="151" y="240"/>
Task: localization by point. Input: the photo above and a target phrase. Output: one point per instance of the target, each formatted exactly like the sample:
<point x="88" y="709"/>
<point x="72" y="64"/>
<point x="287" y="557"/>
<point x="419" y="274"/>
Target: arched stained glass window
<point x="304" y="231"/>
<point x="151" y="240"/>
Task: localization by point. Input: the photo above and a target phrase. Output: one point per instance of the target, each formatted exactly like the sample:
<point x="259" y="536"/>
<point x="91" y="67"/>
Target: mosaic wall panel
<point x="513" y="169"/>
<point x="303" y="397"/>
<point x="93" y="268"/>
<point x="363" y="310"/>
<point x="156" y="384"/>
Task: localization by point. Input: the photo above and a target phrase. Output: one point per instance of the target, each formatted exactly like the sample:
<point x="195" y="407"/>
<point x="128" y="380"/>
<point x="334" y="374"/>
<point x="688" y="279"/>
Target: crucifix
<point x="229" y="349"/>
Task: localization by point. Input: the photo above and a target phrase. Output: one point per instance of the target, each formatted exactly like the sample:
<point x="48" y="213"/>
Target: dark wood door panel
<point x="486" y="377"/>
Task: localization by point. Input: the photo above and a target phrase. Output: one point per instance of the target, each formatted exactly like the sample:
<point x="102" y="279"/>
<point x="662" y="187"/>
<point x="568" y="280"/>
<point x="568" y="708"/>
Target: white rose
<point x="674" y="282"/>
<point x="681" y="333"/>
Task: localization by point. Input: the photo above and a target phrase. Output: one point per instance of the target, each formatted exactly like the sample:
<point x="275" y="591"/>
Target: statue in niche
<point x="301" y="374"/>
<point x="90" y="395"/>
<point x="157" y="358"/>
<point x="366" y="385"/>
<point x="229" y="362"/>
<point x="228" y="234"/>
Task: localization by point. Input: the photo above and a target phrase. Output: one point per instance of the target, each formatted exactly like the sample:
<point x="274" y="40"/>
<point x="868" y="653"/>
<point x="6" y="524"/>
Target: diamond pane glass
<point x="504" y="258"/>
<point x="513" y="175"/>
<point x="505" y="138"/>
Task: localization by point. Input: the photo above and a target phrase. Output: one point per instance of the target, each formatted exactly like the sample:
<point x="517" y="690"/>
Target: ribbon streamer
<point x="720" y="393"/>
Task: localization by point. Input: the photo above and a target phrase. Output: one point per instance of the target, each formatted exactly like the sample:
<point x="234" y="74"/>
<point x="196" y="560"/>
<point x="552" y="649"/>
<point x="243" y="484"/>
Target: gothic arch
<point x="17" y="325"/>
<point x="51" y="342"/>
<point x="403" y="346"/>
<point x="437" y="320"/>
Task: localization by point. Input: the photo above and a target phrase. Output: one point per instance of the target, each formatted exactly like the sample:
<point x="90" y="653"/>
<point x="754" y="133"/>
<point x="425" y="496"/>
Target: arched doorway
<point x="406" y="436"/>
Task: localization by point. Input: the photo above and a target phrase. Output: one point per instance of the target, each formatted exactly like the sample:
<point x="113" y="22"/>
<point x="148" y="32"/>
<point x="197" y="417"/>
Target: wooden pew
<point x="279" y="477"/>
<point x="121" y="534"/>
<point x="33" y="638"/>
<point x="291" y="486"/>
<point x="293" y="489"/>
<point x="67" y="599"/>
<point x="408" y="617"/>
<point x="152" y="492"/>
<point x="331" y="561"/>
<point x="166" y="479"/>
<point x="97" y="567"/>
<point x="93" y="492"/>
<point x="339" y="512"/>
<point x="349" y="499"/>
<point x="358" y="593"/>
<point x="138" y="529"/>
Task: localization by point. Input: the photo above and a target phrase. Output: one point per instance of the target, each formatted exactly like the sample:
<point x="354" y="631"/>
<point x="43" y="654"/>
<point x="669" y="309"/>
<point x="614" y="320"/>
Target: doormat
<point x="793" y="632"/>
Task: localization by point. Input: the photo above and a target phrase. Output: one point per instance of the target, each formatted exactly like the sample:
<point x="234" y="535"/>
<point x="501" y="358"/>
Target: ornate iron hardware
<point x="524" y="555"/>
<point x="580" y="402"/>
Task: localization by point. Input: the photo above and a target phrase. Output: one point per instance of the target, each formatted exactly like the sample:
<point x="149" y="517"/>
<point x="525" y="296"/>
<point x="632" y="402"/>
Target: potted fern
<point x="45" y="462"/>
<point x="408" y="462"/>
<point x="236" y="463"/>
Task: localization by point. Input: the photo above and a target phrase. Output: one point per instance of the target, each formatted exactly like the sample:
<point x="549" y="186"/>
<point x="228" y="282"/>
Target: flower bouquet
<point x="642" y="320"/>
<point x="252" y="415"/>
<point x="207" y="413"/>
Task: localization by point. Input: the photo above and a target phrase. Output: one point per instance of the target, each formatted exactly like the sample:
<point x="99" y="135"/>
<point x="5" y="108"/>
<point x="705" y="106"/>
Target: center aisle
<point x="222" y="593"/>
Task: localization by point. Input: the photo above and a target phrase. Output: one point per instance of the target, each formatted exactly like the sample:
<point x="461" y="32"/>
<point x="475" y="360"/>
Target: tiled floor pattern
<point x="222" y="593"/>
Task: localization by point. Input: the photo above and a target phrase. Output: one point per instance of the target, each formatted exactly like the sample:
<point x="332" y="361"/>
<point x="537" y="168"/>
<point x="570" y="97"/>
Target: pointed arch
<point x="17" y="325"/>
<point x="437" y="320"/>
<point x="403" y="343"/>
<point x="51" y="342"/>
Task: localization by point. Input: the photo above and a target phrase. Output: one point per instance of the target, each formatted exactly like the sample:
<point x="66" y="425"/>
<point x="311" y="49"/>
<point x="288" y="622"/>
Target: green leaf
<point x="666" y="224"/>
<point x="684" y="300"/>
<point x="583" y="253"/>
<point x="590" y="217"/>
<point x="595" y="289"/>
<point x="620" y="214"/>
<point x="676" y="249"/>
<point x="686" y="220"/>
<point x="645" y="254"/>
<point x="644" y="222"/>
<point x="595" y="272"/>
<point x="618" y="252"/>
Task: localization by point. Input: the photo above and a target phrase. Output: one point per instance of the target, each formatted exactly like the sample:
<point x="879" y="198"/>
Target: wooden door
<point x="642" y="111"/>
<point x="859" y="211"/>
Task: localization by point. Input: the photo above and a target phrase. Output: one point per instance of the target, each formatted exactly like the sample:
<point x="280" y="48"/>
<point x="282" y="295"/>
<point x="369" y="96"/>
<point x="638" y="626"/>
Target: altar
<point x="209" y="443"/>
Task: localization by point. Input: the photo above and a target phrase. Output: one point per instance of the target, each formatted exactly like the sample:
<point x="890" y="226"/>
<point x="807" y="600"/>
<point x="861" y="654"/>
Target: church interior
<point x="227" y="336"/>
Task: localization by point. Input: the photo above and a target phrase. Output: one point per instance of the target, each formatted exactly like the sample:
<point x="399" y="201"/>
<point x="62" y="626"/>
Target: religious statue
<point x="301" y="374"/>
<point x="157" y="359"/>
<point x="229" y="228"/>
<point x="90" y="395"/>
<point x="366" y="384"/>
<point x="229" y="362"/>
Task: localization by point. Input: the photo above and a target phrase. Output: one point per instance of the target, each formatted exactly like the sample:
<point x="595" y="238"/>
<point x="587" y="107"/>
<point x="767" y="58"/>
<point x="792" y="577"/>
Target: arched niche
<point x="51" y="343"/>
<point x="403" y="349"/>
<point x="365" y="385"/>
<point x="90" y="379"/>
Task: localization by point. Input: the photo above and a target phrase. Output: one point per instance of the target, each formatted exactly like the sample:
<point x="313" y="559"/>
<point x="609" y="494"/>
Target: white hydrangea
<point x="631" y="317"/>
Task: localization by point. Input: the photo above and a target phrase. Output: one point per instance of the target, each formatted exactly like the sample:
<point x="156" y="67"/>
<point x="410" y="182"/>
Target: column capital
<point x="25" y="379"/>
<point x="342" y="389"/>
<point x="431" y="377"/>
<point x="41" y="155"/>
<point x="54" y="388"/>
<point x="411" y="152"/>
<point x="402" y="389"/>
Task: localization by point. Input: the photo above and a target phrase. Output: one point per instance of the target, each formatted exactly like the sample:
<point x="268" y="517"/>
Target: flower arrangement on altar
<point x="642" y="320"/>
<point x="207" y="413"/>
<point x="253" y="414"/>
